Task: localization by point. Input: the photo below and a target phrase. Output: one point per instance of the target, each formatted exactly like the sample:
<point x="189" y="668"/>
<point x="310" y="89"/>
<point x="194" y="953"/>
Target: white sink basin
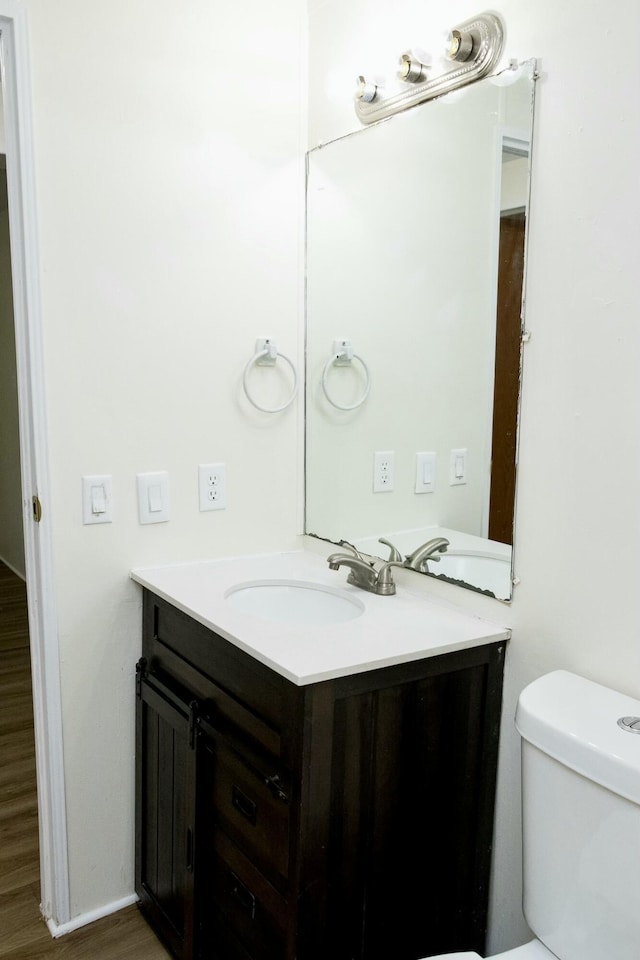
<point x="294" y="601"/>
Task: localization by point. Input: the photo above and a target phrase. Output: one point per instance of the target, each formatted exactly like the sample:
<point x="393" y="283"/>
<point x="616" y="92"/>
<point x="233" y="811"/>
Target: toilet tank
<point x="581" y="818"/>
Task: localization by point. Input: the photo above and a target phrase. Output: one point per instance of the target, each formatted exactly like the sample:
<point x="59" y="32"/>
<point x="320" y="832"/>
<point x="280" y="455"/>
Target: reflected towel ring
<point x="342" y="356"/>
<point x="265" y="356"/>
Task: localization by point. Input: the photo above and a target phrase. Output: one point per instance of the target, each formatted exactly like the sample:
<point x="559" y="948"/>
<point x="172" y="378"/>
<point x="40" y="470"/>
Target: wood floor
<point x="23" y="933"/>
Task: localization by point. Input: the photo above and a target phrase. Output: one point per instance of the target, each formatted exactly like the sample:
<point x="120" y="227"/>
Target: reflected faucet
<point x="418" y="559"/>
<point x="394" y="554"/>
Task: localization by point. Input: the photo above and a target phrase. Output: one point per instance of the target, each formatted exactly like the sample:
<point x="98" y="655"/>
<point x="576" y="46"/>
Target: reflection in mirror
<point x="415" y="246"/>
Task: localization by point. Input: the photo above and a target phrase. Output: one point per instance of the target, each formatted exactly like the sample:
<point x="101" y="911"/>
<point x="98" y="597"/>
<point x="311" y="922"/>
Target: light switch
<point x="97" y="499"/>
<point x="153" y="497"/>
<point x="458" y="467"/>
<point x="425" y="472"/>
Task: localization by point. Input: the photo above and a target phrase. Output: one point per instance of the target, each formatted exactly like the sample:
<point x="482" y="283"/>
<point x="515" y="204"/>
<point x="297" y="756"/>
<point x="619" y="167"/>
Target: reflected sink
<point x="484" y="570"/>
<point x="294" y="601"/>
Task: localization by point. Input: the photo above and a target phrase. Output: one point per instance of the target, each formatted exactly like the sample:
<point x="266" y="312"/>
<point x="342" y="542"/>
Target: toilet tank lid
<point x="576" y="721"/>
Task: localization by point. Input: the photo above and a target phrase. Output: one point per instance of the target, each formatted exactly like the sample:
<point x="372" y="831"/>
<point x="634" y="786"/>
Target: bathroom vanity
<point x="309" y="791"/>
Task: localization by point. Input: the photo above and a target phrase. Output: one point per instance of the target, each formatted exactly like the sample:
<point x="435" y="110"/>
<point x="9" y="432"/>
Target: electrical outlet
<point x="212" y="486"/>
<point x="383" y="471"/>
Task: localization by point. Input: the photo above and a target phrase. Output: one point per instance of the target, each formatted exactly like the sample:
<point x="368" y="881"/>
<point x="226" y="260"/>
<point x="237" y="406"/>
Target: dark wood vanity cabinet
<point x="350" y="818"/>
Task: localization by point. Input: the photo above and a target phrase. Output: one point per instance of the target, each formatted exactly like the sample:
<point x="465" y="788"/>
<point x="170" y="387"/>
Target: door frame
<point x="34" y="461"/>
<point x="515" y="140"/>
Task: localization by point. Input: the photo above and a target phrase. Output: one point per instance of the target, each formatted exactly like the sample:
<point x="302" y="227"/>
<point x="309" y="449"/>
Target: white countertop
<point x="389" y="631"/>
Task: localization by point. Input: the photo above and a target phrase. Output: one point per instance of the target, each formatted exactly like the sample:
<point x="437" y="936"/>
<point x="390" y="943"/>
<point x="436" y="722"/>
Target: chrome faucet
<point x="365" y="575"/>
<point x="418" y="559"/>
<point x="361" y="573"/>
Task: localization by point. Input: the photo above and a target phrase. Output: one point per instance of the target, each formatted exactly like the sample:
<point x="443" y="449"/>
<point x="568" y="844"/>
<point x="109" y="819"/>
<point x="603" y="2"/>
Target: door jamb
<point x="45" y="664"/>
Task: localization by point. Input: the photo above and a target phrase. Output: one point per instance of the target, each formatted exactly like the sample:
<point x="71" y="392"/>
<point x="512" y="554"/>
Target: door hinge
<point x="36" y="506"/>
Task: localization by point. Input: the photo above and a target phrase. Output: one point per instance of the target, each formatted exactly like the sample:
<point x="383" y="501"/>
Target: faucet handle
<point x="385" y="584"/>
<point x="394" y="554"/>
<point x="354" y="550"/>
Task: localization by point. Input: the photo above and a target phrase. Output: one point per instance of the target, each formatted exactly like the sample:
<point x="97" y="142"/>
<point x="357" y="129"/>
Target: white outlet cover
<point x="383" y="470"/>
<point x="212" y="486"/>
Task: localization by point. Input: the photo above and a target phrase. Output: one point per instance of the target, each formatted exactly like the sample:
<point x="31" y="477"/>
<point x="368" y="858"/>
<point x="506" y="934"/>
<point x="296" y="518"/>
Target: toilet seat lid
<point x="534" y="950"/>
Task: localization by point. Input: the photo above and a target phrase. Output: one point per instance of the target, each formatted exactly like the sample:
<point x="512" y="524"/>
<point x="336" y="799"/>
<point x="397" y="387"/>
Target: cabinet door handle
<point x="243" y="896"/>
<point x="243" y="804"/>
<point x="273" y="782"/>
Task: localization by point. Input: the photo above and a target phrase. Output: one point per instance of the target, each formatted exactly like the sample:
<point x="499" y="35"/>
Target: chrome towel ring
<point x="342" y="356"/>
<point x="265" y="356"/>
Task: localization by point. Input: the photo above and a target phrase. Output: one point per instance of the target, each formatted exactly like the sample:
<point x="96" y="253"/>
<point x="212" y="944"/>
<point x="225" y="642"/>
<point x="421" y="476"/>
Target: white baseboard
<point x="60" y="929"/>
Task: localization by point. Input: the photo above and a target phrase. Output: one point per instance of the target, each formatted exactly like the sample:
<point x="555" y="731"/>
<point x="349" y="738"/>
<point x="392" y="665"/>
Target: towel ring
<point x="265" y="356"/>
<point x="342" y="356"/>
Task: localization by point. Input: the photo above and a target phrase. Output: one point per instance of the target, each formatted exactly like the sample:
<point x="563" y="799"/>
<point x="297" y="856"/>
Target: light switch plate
<point x="97" y="499"/>
<point x="153" y="497"/>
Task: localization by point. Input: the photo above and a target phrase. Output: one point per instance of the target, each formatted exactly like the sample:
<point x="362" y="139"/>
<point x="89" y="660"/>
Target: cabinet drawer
<point x="244" y="902"/>
<point x="252" y="805"/>
<point x="247" y="699"/>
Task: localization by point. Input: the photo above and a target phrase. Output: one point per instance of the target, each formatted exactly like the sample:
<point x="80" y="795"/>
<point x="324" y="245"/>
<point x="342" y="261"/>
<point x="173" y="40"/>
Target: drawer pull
<point x="243" y="804"/>
<point x="243" y="896"/>
<point x="274" y="785"/>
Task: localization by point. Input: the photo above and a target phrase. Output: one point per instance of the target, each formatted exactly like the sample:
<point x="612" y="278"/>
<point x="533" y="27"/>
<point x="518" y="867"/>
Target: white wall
<point x="170" y="201"/>
<point x="578" y="521"/>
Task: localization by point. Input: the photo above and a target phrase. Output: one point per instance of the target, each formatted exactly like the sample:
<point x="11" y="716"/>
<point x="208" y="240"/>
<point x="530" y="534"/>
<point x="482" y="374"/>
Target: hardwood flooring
<point x="23" y="933"/>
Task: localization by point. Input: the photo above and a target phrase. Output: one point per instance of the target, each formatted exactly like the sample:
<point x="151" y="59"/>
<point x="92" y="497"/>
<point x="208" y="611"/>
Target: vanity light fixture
<point x="473" y="49"/>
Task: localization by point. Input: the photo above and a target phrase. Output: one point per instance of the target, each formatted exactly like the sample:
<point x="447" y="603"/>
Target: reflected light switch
<point x="458" y="467"/>
<point x="425" y="472"/>
<point x="153" y="497"/>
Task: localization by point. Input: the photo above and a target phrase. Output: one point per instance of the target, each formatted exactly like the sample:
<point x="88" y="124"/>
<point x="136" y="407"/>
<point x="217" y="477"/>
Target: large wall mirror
<point x="415" y="265"/>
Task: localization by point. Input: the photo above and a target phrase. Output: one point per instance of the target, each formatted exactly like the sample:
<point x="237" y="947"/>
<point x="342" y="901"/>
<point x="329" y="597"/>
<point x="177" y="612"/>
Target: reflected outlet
<point x="383" y="471"/>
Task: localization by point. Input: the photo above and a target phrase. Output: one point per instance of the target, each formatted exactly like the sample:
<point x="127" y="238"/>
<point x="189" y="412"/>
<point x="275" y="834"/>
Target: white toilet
<point x="581" y="822"/>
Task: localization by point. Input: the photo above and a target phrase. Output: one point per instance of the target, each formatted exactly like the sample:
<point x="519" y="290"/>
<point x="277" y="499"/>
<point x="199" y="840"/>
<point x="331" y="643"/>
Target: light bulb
<point x="459" y="46"/>
<point x="366" y="91"/>
<point x="412" y="68"/>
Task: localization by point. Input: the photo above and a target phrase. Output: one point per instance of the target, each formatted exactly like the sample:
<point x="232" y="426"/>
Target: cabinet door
<point x="412" y="781"/>
<point x="165" y="812"/>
